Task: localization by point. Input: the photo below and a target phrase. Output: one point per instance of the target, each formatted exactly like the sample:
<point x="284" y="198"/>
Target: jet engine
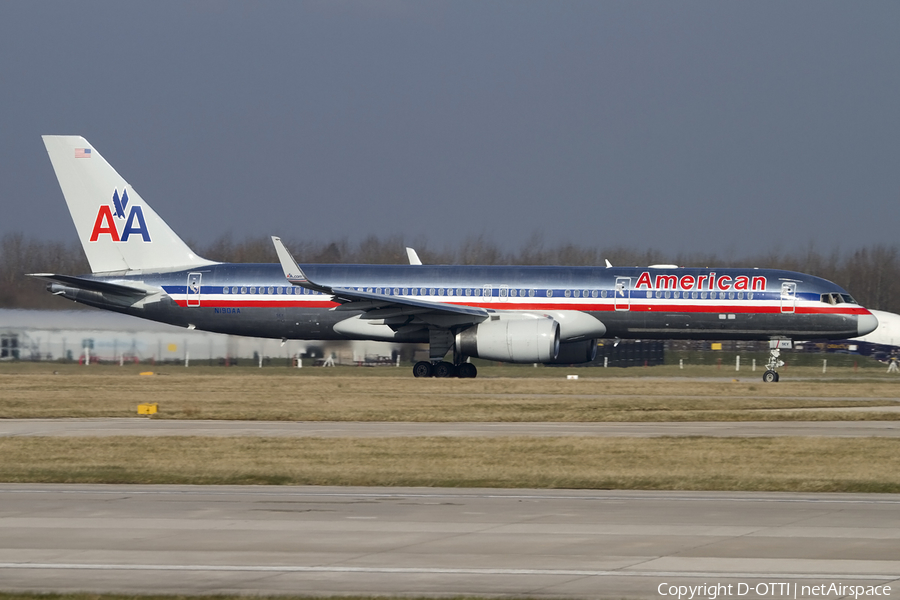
<point x="573" y="353"/>
<point x="523" y="340"/>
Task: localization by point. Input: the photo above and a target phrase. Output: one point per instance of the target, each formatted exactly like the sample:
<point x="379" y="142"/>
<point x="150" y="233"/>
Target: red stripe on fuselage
<point x="598" y="307"/>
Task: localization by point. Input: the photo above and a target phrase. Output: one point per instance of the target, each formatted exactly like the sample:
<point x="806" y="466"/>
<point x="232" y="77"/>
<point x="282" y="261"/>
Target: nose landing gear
<point x="771" y="374"/>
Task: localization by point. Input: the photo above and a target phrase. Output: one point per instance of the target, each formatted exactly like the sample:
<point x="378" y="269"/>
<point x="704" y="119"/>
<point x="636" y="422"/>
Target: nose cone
<point x="866" y="324"/>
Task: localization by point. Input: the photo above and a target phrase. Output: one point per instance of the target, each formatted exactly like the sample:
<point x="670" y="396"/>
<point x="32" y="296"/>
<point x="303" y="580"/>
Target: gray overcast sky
<point x="680" y="126"/>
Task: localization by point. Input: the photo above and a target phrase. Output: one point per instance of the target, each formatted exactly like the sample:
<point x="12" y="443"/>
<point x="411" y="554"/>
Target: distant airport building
<point x="102" y="336"/>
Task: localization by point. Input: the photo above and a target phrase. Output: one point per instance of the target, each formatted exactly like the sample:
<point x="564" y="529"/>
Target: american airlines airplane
<point x="516" y="314"/>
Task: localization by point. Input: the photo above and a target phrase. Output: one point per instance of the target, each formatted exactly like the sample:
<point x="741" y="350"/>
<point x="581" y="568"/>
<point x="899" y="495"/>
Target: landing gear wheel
<point x="467" y="371"/>
<point x="423" y="369"/>
<point x="444" y="369"/>
<point x="771" y="375"/>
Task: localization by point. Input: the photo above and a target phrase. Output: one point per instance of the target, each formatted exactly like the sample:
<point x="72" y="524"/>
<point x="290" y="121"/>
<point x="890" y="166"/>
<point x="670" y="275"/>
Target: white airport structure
<point x="93" y="335"/>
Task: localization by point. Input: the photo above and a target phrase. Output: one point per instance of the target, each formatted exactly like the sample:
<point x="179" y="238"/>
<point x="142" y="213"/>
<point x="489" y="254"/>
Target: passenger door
<point x="193" y="289"/>
<point x="623" y="293"/>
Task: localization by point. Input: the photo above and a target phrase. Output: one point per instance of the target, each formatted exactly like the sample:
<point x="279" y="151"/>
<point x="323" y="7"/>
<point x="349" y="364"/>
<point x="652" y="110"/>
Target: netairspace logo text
<point x="775" y="590"/>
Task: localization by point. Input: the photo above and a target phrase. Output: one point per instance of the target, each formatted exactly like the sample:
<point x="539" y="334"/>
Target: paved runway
<point x="537" y="543"/>
<point x="154" y="427"/>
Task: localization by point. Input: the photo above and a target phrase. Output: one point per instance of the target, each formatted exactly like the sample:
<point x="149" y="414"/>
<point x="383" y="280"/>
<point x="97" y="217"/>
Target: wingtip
<point x="292" y="271"/>
<point x="412" y="256"/>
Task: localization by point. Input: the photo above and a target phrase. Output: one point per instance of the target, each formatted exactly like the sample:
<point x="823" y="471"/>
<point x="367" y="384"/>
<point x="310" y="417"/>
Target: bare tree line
<point x="870" y="273"/>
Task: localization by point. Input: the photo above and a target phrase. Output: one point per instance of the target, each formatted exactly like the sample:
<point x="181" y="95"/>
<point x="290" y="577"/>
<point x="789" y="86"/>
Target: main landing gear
<point x="771" y="375"/>
<point x="444" y="369"/>
<point x="440" y="342"/>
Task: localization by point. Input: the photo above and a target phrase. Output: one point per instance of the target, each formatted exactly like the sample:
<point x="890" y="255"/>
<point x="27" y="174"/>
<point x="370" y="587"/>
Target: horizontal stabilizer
<point x="92" y="285"/>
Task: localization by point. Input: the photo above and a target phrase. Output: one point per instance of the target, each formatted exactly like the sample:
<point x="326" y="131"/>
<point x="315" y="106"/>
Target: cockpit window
<point x="836" y="298"/>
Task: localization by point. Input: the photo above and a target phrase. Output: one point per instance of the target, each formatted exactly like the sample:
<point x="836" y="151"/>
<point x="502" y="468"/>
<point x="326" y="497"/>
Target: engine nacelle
<point x="573" y="353"/>
<point x="523" y="340"/>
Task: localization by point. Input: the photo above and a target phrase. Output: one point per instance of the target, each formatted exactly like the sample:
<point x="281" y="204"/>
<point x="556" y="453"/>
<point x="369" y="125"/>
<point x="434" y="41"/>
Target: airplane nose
<point x="866" y="324"/>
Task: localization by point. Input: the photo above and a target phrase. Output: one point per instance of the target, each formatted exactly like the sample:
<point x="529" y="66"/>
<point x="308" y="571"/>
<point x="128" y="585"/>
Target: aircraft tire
<point x="770" y="376"/>
<point x="467" y="371"/>
<point x="423" y="369"/>
<point x="444" y="369"/>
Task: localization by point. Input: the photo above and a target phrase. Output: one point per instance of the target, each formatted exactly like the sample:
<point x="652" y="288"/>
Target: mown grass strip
<point x="756" y="464"/>
<point x="188" y="394"/>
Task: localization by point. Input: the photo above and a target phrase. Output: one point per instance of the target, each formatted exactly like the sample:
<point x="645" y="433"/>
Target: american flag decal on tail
<point x="82" y="152"/>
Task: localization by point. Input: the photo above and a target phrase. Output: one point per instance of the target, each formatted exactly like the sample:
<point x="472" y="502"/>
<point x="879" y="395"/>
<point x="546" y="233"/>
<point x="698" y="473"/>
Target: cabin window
<point x="549" y="293"/>
<point x="531" y="293"/>
<point x="225" y="290"/>
<point x="252" y="289"/>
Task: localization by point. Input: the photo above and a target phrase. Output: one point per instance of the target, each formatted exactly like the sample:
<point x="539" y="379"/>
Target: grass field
<point x="757" y="464"/>
<point x="499" y="394"/>
<point x="29" y="390"/>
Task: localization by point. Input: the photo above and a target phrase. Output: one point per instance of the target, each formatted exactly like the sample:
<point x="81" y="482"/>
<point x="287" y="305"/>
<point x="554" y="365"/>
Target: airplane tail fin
<point x="118" y="230"/>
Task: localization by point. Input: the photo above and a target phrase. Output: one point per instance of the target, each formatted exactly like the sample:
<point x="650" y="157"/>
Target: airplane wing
<point x="377" y="306"/>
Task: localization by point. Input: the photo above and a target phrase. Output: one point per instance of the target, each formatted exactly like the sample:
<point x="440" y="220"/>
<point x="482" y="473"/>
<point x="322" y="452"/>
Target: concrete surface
<point x="536" y="543"/>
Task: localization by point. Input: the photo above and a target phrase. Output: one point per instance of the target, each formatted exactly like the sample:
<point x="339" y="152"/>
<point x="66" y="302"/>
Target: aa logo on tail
<point x="134" y="224"/>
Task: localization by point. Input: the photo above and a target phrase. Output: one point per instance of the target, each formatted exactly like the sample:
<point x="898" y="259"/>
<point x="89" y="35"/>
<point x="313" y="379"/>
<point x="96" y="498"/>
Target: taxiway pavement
<point x="536" y="543"/>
